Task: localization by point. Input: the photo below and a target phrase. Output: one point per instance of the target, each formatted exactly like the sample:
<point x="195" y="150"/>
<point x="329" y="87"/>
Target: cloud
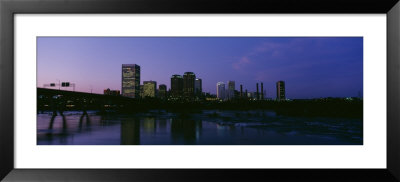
<point x="238" y="65"/>
<point x="266" y="47"/>
<point x="290" y="55"/>
<point x="261" y="76"/>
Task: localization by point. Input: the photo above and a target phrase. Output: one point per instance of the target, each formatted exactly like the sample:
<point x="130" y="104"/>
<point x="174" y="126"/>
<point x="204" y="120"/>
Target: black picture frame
<point x="8" y="8"/>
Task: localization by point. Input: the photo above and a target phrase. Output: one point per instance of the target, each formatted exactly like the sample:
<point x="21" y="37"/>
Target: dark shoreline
<point x="298" y="108"/>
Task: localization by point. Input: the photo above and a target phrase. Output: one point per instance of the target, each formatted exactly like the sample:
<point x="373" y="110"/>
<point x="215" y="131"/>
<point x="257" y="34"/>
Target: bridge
<point x="62" y="100"/>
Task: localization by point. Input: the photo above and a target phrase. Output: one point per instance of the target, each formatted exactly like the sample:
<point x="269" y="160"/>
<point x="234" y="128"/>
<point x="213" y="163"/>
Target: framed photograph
<point x="128" y="90"/>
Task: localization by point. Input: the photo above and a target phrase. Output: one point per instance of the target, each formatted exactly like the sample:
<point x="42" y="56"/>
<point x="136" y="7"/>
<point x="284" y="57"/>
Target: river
<point x="207" y="127"/>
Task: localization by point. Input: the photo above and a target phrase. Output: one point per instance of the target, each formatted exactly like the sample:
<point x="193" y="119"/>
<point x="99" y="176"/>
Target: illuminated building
<point x="176" y="86"/>
<point x="188" y="84"/>
<point x="250" y="95"/>
<point x="149" y="88"/>
<point x="111" y="92"/>
<point x="198" y="86"/>
<point x="130" y="80"/>
<point x="280" y="91"/>
<point x="212" y="99"/>
<point x="221" y="90"/>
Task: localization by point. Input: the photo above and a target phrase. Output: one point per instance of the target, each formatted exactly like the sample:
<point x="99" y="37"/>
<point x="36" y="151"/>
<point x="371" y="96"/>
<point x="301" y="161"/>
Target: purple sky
<point x="311" y="67"/>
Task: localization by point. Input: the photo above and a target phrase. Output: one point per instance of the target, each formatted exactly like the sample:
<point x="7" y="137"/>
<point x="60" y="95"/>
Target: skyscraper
<point x="231" y="89"/>
<point x="280" y="91"/>
<point x="262" y="91"/>
<point x="162" y="91"/>
<point x="188" y="84"/>
<point x="130" y="80"/>
<point x="221" y="90"/>
<point x="198" y="86"/>
<point x="149" y="88"/>
<point x="176" y="86"/>
<point x="257" y="93"/>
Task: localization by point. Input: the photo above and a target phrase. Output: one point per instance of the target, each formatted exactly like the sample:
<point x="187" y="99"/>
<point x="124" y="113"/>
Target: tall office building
<point x="162" y="91"/>
<point x="176" y="86"/>
<point x="130" y="80"/>
<point x="188" y="84"/>
<point x="198" y="86"/>
<point x="262" y="91"/>
<point x="149" y="88"/>
<point x="231" y="90"/>
<point x="280" y="91"/>
<point x="236" y="94"/>
<point x="257" y="93"/>
<point x="221" y="90"/>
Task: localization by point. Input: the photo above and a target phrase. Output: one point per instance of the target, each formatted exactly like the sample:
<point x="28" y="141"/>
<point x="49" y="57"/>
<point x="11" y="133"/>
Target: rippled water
<point x="209" y="127"/>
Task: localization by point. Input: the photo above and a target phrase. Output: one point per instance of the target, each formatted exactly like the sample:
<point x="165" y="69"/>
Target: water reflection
<point x="84" y="115"/>
<point x="227" y="129"/>
<point x="149" y="125"/>
<point x="207" y="128"/>
<point x="162" y="124"/>
<point x="130" y="131"/>
<point x="185" y="131"/>
<point x="61" y="135"/>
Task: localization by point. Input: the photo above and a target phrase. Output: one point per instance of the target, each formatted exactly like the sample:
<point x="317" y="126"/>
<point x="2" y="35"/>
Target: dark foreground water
<point x="202" y="128"/>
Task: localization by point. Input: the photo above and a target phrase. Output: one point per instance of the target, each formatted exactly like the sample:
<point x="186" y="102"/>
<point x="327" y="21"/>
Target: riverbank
<point x="337" y="108"/>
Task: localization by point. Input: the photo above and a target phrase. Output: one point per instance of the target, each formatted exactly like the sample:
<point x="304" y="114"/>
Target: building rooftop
<point x="130" y="65"/>
<point x="176" y="76"/>
<point x="189" y="73"/>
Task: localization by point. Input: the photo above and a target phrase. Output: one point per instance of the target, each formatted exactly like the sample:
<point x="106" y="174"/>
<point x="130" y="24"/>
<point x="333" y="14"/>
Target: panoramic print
<point x="199" y="91"/>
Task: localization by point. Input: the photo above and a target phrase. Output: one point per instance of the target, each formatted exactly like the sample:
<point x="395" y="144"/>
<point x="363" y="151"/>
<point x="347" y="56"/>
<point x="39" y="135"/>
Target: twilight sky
<point x="312" y="67"/>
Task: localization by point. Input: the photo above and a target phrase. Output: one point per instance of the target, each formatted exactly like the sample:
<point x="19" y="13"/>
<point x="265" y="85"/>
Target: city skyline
<point x="325" y="67"/>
